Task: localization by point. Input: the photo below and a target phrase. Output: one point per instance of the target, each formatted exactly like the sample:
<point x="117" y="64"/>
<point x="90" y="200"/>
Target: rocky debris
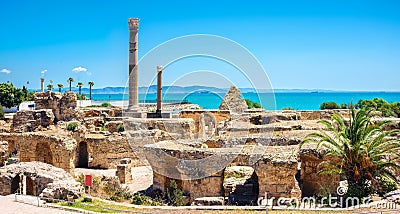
<point x="209" y="201"/>
<point x="49" y="181"/>
<point x="5" y="125"/>
<point x="30" y="120"/>
<point x="112" y="126"/>
<point x="233" y="101"/>
<point x="3" y="151"/>
<point x="100" y="111"/>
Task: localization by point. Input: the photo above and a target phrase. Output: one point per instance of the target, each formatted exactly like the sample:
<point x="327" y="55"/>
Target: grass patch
<point x="97" y="206"/>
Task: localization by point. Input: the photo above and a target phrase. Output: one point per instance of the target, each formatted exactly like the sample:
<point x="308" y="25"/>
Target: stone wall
<point x="310" y="181"/>
<point x="63" y="106"/>
<point x="106" y="152"/>
<point x="35" y="146"/>
<point x="202" y="118"/>
<point x="276" y="169"/>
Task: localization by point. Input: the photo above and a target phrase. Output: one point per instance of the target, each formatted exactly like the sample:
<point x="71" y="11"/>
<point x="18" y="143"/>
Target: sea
<point x="270" y="101"/>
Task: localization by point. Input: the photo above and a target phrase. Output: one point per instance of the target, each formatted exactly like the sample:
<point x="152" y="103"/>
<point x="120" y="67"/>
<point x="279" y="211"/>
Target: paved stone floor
<point x="25" y="204"/>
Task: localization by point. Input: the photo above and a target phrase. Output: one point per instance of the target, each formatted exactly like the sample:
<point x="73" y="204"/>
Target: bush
<point x="386" y="185"/>
<point x="81" y="97"/>
<point x="251" y="104"/>
<point x="1" y="113"/>
<point x="72" y="126"/>
<point x="379" y="104"/>
<point x="105" y="104"/>
<point x="287" y="108"/>
<point x="121" y="128"/>
<point x="329" y="105"/>
<point x="175" y="194"/>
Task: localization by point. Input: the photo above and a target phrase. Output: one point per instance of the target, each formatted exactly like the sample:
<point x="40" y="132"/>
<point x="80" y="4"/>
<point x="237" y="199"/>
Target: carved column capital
<point x="133" y="24"/>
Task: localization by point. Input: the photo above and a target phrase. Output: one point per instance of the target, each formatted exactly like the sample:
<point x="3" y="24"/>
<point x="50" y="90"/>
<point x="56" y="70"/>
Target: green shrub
<point x="121" y="128"/>
<point x="72" y="126"/>
<point x="105" y="104"/>
<point x="386" y="185"/>
<point x="287" y="108"/>
<point x="81" y="97"/>
<point x="1" y="113"/>
<point x="329" y="105"/>
<point x="251" y="104"/>
<point x="175" y="194"/>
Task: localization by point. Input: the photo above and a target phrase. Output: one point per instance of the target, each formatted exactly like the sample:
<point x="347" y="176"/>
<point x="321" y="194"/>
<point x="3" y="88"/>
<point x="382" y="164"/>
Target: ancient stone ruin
<point x="232" y="155"/>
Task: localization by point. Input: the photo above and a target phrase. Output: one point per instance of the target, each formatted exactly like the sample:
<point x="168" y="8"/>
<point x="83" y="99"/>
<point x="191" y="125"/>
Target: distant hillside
<point x="181" y="89"/>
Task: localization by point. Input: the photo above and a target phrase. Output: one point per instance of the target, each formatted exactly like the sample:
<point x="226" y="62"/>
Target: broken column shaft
<point x="159" y="89"/>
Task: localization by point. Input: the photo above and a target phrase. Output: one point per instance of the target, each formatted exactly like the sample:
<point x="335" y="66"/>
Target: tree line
<point x="377" y="104"/>
<point x="12" y="96"/>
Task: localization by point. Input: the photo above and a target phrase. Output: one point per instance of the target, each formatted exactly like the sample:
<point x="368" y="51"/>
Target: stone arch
<point x="43" y="153"/>
<point x="15" y="184"/>
<point x="241" y="185"/>
<point x="30" y="186"/>
<point x="82" y="155"/>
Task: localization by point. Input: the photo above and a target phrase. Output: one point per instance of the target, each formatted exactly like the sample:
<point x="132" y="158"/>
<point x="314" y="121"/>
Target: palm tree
<point x="80" y="87"/>
<point x="50" y="87"/>
<point x="70" y="81"/>
<point x="367" y="153"/>
<point x="60" y="86"/>
<point x="91" y="84"/>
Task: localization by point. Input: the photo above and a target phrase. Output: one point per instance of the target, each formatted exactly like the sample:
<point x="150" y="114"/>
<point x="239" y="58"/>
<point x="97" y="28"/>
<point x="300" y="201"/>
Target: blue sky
<point x="339" y="45"/>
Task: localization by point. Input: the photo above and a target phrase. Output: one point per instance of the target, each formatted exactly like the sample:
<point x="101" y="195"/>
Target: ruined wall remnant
<point x="106" y="152"/>
<point x="275" y="169"/>
<point x="63" y="106"/>
<point x="233" y="101"/>
<point x="310" y="181"/>
<point x="30" y="120"/>
<point x="36" y="146"/>
<point x="206" y="118"/>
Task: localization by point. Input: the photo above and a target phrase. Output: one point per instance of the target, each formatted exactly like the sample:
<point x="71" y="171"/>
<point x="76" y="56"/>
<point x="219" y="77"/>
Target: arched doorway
<point x="83" y="155"/>
<point x="241" y="185"/>
<point x="30" y="186"/>
<point x="15" y="184"/>
<point x="43" y="153"/>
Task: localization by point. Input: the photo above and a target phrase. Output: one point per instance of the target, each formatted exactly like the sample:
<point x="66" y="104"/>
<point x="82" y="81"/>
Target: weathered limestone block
<point x="233" y="101"/>
<point x="124" y="171"/>
<point x="30" y="120"/>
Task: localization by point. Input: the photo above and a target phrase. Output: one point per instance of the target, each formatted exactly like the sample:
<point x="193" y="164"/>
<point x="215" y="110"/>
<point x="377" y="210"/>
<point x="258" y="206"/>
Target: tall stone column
<point x="159" y="88"/>
<point x="133" y="64"/>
